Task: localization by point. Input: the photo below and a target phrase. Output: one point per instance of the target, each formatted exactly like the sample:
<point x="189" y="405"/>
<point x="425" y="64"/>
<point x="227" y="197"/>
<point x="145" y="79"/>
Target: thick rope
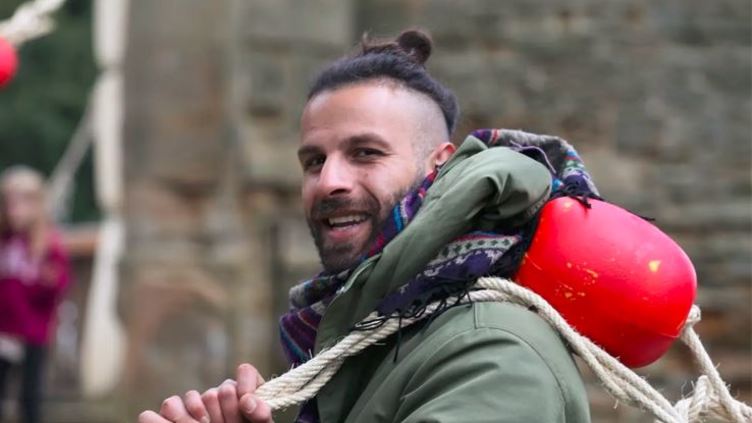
<point x="61" y="180"/>
<point x="710" y="397"/>
<point x="31" y="20"/>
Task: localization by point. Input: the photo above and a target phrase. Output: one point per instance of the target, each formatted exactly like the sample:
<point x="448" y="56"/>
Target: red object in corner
<point x="8" y="62"/>
<point x="613" y="276"/>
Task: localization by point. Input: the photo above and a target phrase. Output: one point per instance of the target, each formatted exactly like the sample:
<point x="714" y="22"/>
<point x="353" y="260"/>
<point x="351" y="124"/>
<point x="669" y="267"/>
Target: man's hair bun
<point x="401" y="59"/>
<point x="412" y="43"/>
<point x="417" y="44"/>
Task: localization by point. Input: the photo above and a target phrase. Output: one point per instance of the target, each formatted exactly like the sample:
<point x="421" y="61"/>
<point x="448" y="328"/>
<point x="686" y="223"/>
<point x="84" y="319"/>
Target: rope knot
<point x="695" y="315"/>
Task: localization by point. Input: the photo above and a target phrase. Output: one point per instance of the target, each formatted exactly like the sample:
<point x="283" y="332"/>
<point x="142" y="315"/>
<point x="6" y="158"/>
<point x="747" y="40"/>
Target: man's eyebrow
<point x="308" y="150"/>
<point x="357" y="140"/>
<point x="366" y="138"/>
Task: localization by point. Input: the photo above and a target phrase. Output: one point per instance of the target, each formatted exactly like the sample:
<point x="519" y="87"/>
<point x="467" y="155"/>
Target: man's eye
<point x="313" y="163"/>
<point x="366" y="152"/>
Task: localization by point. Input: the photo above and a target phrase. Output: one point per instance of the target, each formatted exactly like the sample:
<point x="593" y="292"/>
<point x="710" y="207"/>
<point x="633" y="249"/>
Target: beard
<point x="344" y="255"/>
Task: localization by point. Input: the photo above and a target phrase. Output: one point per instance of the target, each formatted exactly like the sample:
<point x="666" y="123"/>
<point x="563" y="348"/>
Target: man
<point x="401" y="219"/>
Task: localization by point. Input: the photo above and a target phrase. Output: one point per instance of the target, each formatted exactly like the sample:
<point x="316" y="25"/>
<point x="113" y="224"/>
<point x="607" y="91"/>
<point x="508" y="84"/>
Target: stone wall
<point x="655" y="95"/>
<point x="212" y="214"/>
<point x="187" y="277"/>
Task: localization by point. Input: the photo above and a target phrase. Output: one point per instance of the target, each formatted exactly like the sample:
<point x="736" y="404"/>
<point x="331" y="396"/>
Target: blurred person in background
<point x="34" y="272"/>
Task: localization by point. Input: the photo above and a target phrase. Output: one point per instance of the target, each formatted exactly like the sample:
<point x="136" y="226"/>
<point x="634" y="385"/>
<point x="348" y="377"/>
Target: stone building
<point x="655" y="95"/>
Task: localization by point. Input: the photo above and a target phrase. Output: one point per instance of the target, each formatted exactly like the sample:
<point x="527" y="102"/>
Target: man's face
<point x="359" y="158"/>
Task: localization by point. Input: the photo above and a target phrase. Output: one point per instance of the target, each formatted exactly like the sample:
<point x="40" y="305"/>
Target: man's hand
<point x="230" y="402"/>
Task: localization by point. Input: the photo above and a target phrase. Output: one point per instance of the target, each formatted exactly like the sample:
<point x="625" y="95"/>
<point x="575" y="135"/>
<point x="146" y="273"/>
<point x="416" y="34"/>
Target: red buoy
<point x="613" y="276"/>
<point x="8" y="62"/>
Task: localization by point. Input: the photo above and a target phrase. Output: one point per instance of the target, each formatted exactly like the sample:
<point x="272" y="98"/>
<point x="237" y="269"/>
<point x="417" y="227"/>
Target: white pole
<point x="103" y="343"/>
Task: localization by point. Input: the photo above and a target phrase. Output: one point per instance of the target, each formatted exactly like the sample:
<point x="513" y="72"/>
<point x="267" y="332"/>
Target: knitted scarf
<point x="471" y="255"/>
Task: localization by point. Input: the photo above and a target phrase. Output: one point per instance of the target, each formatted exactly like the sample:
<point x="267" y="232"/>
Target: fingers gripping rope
<point x="710" y="398"/>
<point x="31" y="20"/>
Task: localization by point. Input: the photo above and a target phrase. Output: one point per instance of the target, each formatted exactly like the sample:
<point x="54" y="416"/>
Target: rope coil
<point x="710" y="397"/>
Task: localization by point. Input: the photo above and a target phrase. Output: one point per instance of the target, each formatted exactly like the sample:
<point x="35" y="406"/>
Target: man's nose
<point x="335" y="178"/>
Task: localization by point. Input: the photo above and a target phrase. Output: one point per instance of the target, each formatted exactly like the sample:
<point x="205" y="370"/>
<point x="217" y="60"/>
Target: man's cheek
<point x="306" y="194"/>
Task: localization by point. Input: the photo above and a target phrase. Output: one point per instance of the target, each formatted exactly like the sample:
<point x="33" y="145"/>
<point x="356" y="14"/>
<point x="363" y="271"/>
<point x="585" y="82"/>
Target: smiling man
<point x="358" y="164"/>
<point x="401" y="219"/>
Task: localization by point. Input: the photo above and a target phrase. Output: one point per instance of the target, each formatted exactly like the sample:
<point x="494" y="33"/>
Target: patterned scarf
<point x="472" y="255"/>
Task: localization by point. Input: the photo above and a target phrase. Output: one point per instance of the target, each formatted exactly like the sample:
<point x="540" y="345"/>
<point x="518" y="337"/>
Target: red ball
<point x="8" y="62"/>
<point x="613" y="276"/>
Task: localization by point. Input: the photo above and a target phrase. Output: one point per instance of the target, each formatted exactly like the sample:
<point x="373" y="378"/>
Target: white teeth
<point x="347" y="220"/>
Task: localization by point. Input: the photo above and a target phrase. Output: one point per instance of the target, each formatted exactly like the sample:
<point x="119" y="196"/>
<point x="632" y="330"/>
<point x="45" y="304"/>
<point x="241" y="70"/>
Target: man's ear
<point x="440" y="155"/>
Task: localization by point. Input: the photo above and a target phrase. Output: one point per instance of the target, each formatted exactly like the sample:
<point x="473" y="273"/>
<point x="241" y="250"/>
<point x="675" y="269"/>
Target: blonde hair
<point x="26" y="178"/>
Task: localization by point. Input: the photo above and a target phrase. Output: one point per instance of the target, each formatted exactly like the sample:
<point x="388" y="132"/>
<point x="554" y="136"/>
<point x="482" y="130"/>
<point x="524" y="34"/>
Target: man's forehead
<point x="373" y="105"/>
<point x="355" y="96"/>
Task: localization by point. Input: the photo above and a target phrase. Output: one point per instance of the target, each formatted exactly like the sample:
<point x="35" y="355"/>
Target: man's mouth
<point x="345" y="221"/>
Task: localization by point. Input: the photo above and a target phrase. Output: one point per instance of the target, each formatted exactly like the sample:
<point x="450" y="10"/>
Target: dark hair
<point x="402" y="60"/>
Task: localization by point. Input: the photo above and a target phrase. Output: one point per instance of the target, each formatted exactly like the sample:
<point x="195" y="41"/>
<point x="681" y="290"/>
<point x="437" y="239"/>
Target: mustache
<point x="327" y="206"/>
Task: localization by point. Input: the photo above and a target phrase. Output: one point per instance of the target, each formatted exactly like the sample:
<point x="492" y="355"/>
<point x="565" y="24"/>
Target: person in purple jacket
<point x="34" y="272"/>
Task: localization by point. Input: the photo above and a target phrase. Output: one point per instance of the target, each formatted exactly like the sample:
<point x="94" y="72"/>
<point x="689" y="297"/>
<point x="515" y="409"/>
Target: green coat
<point x="484" y="362"/>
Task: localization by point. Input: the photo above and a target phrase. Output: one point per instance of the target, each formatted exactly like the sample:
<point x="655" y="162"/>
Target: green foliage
<point x="41" y="107"/>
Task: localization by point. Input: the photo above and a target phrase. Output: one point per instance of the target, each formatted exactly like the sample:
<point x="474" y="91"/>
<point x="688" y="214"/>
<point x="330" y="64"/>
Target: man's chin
<point x="337" y="259"/>
<point x="341" y="249"/>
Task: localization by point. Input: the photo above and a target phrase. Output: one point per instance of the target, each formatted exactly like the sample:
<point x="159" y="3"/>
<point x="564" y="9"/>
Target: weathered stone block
<point x="270" y="155"/>
<point x="261" y="83"/>
<point x="701" y="23"/>
<point x="175" y="320"/>
<point x="321" y="22"/>
<point x="188" y="20"/>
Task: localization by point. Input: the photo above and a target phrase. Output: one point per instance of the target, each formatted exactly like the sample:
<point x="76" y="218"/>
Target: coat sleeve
<point x="483" y="375"/>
